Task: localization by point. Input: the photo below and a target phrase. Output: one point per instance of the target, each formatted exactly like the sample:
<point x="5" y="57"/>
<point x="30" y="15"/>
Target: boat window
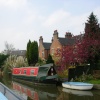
<point x="24" y="71"/>
<point x="19" y="71"/>
<point x="32" y="72"/>
<point x="51" y="69"/>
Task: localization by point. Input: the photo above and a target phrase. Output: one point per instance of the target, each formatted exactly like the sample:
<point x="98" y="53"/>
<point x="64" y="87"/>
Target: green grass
<point x="94" y="81"/>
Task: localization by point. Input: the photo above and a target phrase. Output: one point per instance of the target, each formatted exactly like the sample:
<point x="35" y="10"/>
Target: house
<point x="59" y="42"/>
<point x="56" y="45"/>
<point x="15" y="52"/>
<point x="44" y="49"/>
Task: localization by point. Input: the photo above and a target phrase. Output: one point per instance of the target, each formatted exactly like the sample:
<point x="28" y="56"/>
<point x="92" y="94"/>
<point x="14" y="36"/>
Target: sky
<point x="24" y="20"/>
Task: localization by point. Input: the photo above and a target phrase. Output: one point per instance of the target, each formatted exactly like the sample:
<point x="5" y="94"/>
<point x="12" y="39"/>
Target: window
<point x="20" y="71"/>
<point x="42" y="53"/>
<point x="52" y="51"/>
<point x="32" y="72"/>
<point x="24" y="71"/>
<point x="51" y="69"/>
<point x="58" y="50"/>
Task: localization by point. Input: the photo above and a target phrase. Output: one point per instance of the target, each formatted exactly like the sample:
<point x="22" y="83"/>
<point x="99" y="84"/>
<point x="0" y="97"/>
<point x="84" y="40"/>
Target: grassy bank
<point x="94" y="81"/>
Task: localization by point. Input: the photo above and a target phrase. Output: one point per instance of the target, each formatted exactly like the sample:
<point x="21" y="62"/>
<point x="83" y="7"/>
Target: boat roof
<point x="43" y="70"/>
<point x="46" y="65"/>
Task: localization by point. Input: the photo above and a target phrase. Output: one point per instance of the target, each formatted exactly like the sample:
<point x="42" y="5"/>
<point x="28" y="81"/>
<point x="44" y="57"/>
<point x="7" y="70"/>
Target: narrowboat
<point x="40" y="74"/>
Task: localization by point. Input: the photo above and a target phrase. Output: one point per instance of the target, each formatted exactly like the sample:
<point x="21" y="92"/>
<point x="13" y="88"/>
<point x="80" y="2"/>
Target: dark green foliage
<point x="93" y="25"/>
<point x="2" y="59"/>
<point x="28" y="50"/>
<point x="35" y="55"/>
<point x="40" y="62"/>
<point x="49" y="60"/>
<point x="92" y="19"/>
<point x="93" y="35"/>
<point x="32" y="52"/>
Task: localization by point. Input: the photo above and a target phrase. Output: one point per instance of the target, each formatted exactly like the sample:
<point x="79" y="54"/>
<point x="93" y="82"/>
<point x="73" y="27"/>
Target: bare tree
<point x="9" y="47"/>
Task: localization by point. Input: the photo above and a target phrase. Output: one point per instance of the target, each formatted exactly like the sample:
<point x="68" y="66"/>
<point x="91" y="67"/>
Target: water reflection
<point x="36" y="93"/>
<point x="49" y="92"/>
<point x="77" y="92"/>
<point x="69" y="94"/>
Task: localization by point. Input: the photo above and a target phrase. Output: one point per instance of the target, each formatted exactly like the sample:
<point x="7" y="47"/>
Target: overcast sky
<point x="21" y="20"/>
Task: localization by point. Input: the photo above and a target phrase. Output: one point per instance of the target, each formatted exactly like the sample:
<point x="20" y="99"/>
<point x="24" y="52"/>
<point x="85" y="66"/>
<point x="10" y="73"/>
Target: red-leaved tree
<point x="85" y="51"/>
<point x="89" y="47"/>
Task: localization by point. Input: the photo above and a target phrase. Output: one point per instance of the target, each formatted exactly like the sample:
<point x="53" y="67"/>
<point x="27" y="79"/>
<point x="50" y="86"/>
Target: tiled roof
<point x="46" y="45"/>
<point x="18" y="52"/>
<point x="79" y="37"/>
<point x="67" y="41"/>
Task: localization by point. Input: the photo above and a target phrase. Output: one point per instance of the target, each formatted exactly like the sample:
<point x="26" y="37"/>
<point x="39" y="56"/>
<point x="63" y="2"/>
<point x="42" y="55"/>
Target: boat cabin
<point x="39" y="73"/>
<point x="29" y="71"/>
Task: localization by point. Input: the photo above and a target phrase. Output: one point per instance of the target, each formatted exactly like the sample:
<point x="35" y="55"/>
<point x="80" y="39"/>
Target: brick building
<point x="59" y="42"/>
<point x="44" y="49"/>
<point x="56" y="45"/>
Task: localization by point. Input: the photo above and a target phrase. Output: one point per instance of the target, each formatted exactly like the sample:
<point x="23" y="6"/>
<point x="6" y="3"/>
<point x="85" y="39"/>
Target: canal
<point x="48" y="92"/>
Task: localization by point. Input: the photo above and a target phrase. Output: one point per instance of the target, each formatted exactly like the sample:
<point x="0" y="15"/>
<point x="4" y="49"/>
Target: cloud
<point x="13" y="3"/>
<point x="97" y="13"/>
<point x="21" y="20"/>
<point x="56" y="17"/>
<point x="65" y="21"/>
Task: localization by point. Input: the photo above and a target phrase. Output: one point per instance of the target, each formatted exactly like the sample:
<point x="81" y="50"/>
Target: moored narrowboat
<point x="40" y="74"/>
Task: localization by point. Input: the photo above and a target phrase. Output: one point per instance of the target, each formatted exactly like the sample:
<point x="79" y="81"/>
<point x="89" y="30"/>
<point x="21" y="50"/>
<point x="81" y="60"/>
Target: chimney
<point x="52" y="40"/>
<point x="55" y="35"/>
<point x="41" y="40"/>
<point x="68" y="35"/>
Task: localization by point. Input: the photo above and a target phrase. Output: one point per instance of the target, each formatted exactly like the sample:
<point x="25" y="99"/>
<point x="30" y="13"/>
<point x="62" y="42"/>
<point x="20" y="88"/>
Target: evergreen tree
<point x="32" y="52"/>
<point x="49" y="60"/>
<point x="92" y="26"/>
<point x="35" y="55"/>
<point x="93" y="37"/>
<point x="92" y="19"/>
<point x="89" y="48"/>
<point x="28" y="50"/>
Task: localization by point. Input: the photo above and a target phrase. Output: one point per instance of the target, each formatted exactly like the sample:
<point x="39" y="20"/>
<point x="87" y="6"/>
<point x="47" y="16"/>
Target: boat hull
<point x="36" y="80"/>
<point x="40" y="74"/>
<point x="77" y="85"/>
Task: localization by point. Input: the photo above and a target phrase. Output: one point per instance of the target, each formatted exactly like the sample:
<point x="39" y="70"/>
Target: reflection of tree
<point x="51" y="98"/>
<point x="28" y="98"/>
<point x="63" y="95"/>
<point x="6" y="80"/>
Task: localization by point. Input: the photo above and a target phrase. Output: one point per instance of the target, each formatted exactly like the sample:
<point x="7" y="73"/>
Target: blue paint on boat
<point x="78" y="83"/>
<point x="2" y="97"/>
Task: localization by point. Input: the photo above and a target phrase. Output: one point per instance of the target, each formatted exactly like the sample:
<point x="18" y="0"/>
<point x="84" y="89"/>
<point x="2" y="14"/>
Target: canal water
<point x="49" y="92"/>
